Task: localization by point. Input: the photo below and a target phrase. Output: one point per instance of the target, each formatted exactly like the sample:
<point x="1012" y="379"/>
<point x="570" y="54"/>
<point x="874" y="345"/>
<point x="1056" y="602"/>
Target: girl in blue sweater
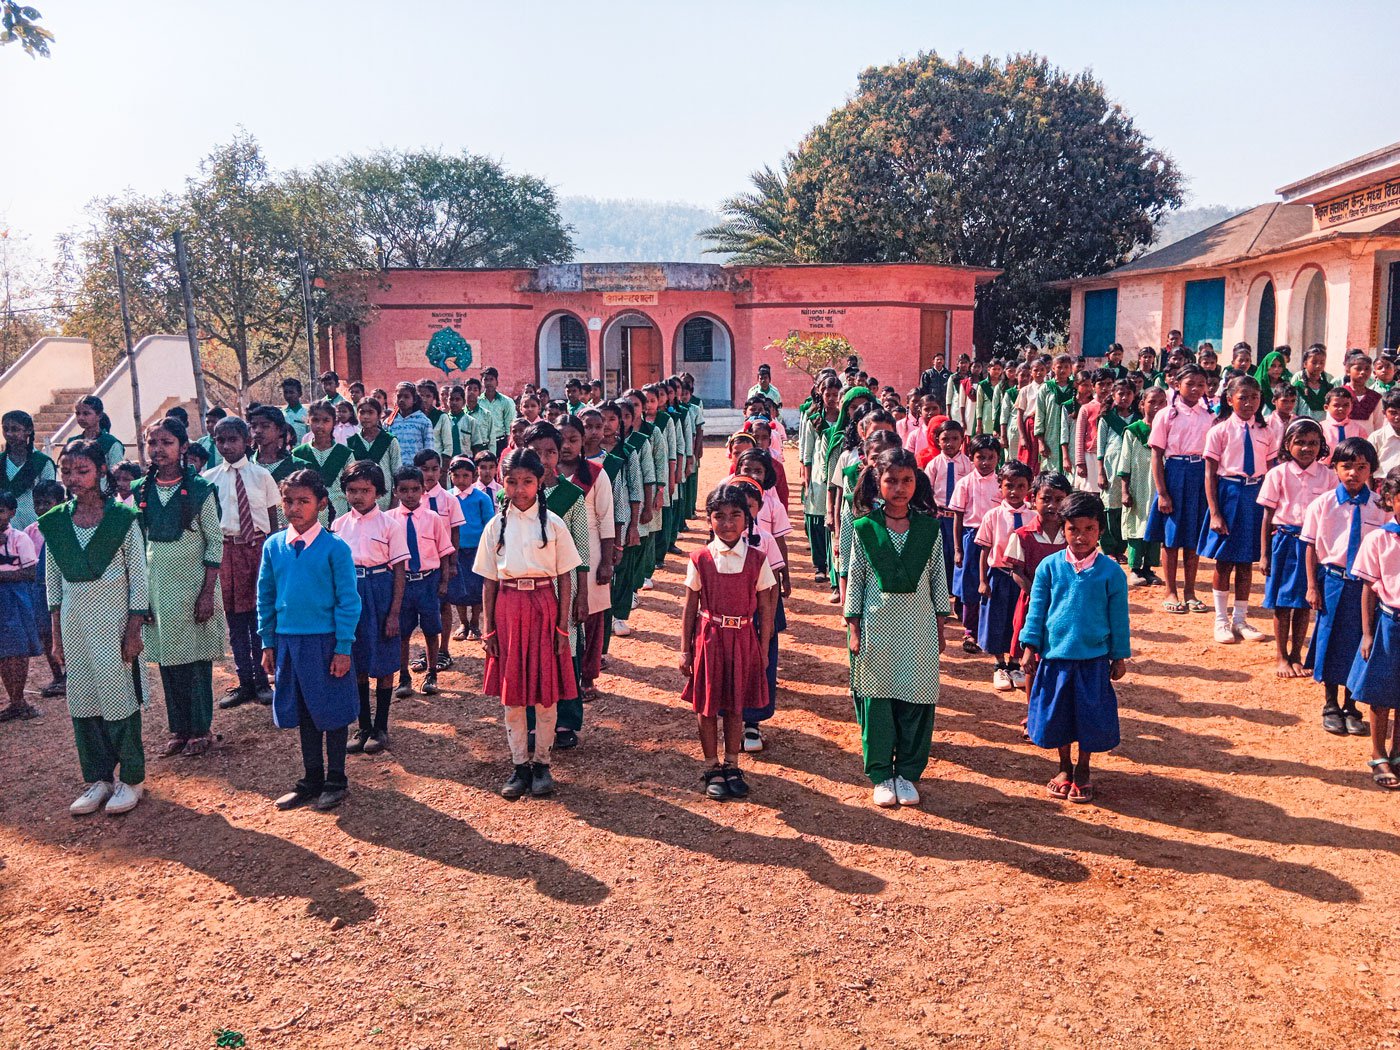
<point x="1076" y="644"/>
<point x="308" y="609"/>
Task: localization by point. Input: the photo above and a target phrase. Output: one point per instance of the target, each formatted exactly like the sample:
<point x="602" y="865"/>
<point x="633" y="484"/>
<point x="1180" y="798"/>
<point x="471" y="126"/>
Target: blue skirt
<point x="303" y="673"/>
<point x="967" y="578"/>
<point x="465" y="587"/>
<point x="1186" y="485"/>
<point x="375" y="655"/>
<point x="20" y="634"/>
<point x="1072" y="701"/>
<point x="1337" y="633"/>
<point x="946" y="527"/>
<point x="1286" y="586"/>
<point x="1239" y="506"/>
<point x="421" y="606"/>
<point x="1376" y="682"/>
<point x="39" y="599"/>
<point x="998" y="612"/>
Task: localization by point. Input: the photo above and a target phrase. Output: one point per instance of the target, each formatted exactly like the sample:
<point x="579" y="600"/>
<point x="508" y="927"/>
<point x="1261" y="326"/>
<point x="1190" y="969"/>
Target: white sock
<point x="1241" y="609"/>
<point x="1222" y="605"/>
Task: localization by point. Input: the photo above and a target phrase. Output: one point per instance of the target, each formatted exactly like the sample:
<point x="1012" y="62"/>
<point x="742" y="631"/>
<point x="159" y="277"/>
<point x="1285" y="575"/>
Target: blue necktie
<point x="299" y="546"/>
<point x="432" y="504"/>
<point x="1248" y="453"/>
<point x="948" y="486"/>
<point x="1342" y="432"/>
<point x="1016" y="519"/>
<point x="1354" y="535"/>
<point x="415" y="563"/>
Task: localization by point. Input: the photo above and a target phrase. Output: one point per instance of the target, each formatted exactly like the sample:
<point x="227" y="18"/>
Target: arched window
<point x="573" y="344"/>
<point x="698" y="340"/>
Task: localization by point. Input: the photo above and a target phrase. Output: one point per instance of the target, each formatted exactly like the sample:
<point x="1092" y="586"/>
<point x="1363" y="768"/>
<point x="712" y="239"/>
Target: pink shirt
<point x="375" y="538"/>
<point x="1378" y="563"/>
<point x="1181" y="431"/>
<point x="773" y="516"/>
<point x="37" y="538"/>
<point x="1278" y="425"/>
<point x="16" y="543"/>
<point x="1225" y="446"/>
<point x="1088" y="430"/>
<point x="917" y="439"/>
<point x="1332" y="430"/>
<point x="997" y="526"/>
<point x="1327" y="525"/>
<point x="1089" y="559"/>
<point x="431" y="530"/>
<point x="937" y="471"/>
<point x="437" y="498"/>
<point x="974" y="495"/>
<point x="769" y="547"/>
<point x="1288" y="489"/>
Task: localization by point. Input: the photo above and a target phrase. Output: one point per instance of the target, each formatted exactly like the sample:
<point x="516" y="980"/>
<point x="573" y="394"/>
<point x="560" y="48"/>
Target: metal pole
<point x="130" y="354"/>
<point x="191" y="332"/>
<point x="306" y="316"/>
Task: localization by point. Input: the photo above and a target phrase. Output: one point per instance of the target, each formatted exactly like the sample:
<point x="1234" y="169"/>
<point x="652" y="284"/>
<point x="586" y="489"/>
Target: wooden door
<point x="643" y="355"/>
<point x="933" y="337"/>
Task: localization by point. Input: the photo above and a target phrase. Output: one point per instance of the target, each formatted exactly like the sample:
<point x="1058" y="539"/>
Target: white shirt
<point x="522" y="554"/>
<point x="16" y="543"/>
<point x="257" y="482"/>
<point x="729" y="561"/>
<point x="1387" y="443"/>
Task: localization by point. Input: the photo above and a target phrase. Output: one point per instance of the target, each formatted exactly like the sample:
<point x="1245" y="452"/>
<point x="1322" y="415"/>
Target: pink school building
<point x="633" y="323"/>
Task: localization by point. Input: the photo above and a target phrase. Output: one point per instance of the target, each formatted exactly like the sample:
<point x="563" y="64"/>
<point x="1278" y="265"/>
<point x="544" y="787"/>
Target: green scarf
<point x="1116" y="423"/>
<point x="1140" y="429"/>
<point x="1261" y="376"/>
<point x="81" y="564"/>
<point x="22" y="480"/>
<point x="165" y="522"/>
<point x="635" y="441"/>
<point x="279" y="468"/>
<point x="990" y="390"/>
<point x="433" y="414"/>
<point x="613" y="464"/>
<point x="899" y="572"/>
<point x="836" y="434"/>
<point x="561" y="498"/>
<point x="645" y="428"/>
<point x="1065" y="396"/>
<point x="335" y="462"/>
<point x="373" y="452"/>
<point x="104" y="440"/>
<point x="1315" y="401"/>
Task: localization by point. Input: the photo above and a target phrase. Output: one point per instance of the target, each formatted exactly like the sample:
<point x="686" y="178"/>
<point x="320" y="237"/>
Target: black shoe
<point x="519" y="782"/>
<point x="673" y="549"/>
<point x="331" y="797"/>
<point x="357" y="742"/>
<point x="263" y="695"/>
<point x="1356" y="725"/>
<point x="239" y="694"/>
<point x="715" y="787"/>
<point x="405" y="688"/>
<point x="541" y="780"/>
<point x="565" y="740"/>
<point x="430" y="686"/>
<point x="298" y="796"/>
<point x="1333" y="722"/>
<point x="378" y="741"/>
<point x="734" y="781"/>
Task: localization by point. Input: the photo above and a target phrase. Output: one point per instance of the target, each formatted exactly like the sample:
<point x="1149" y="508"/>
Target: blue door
<point x="1203" y="316"/>
<point x="1100" y="321"/>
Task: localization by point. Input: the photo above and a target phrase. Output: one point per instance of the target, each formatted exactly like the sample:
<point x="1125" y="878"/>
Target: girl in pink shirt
<point x="1178" y="512"/>
<point x="1375" y="672"/>
<point x="973" y="496"/>
<point x="998" y="587"/>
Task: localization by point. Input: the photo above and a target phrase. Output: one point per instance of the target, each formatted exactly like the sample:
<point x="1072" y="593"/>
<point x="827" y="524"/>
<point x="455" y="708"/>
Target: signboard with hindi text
<point x="1359" y="205"/>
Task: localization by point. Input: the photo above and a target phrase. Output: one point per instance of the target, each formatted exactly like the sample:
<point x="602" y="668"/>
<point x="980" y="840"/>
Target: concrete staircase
<point x="50" y="417"/>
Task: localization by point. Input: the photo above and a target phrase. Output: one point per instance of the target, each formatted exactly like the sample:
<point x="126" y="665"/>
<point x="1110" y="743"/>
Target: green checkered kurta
<point x="1109" y="449"/>
<point x="1135" y="462"/>
<point x="1052" y="425"/>
<point x="176" y="572"/>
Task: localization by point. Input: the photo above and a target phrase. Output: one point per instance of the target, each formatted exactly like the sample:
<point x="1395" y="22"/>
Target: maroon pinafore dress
<point x="1036" y="552"/>
<point x="728" y="671"/>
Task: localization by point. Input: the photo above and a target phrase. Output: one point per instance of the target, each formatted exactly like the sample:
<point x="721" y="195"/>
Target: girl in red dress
<point x="728" y="584"/>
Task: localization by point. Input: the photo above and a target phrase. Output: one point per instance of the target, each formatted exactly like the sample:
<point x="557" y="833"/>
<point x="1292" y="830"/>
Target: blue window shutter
<point x="1100" y="321"/>
<point x="1203" y="314"/>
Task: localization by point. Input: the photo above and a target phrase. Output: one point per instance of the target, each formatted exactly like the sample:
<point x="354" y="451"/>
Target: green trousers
<point x="692" y="494"/>
<point x="104" y="745"/>
<point x="1143" y="555"/>
<point x="1113" y="543"/>
<point x="895" y="737"/>
<point x="189" y="697"/>
<point x="646" y="560"/>
<point x="666" y="536"/>
<point x="624" y="583"/>
<point x="817" y="537"/>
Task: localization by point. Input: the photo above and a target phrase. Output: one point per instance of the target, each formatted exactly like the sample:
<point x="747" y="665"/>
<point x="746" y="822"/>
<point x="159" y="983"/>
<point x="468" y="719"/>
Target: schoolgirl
<point x="1027" y="400"/>
<point x="1076" y="643"/>
<point x="1289" y="488"/>
<point x="1239" y="450"/>
<point x="1112" y="429"/>
<point x="639" y="439"/>
<point x="1178" y="511"/>
<point x="896" y="601"/>
<point x="184" y="635"/>
<point x="432" y="408"/>
<point x="612" y="462"/>
<point x="346" y="421"/>
<point x="819" y="419"/>
<point x="308" y="609"/>
<point x="328" y="459"/>
<point x="990" y="393"/>
<point x="1026" y="548"/>
<point x="458" y="432"/>
<point x="95" y="572"/>
<point x="1313" y="384"/>
<point x="1375" y="671"/>
<point x="601" y="539"/>
<point x="431" y="551"/>
<point x="528" y="561"/>
<point x="663" y="469"/>
<point x="93" y="425"/>
<point x="248" y="502"/>
<point x="1386" y="437"/>
<point x="441" y="502"/>
<point x="272" y="441"/>
<point x="1340" y="422"/>
<point x="410" y="427"/>
<point x="877" y="426"/>
<point x="973" y="496"/>
<point x="464" y="589"/>
<point x="729" y="586"/>
<point x="1272" y="370"/>
<point x="1088" y="465"/>
<point x="1334" y="525"/>
<point x="19" y="641"/>
<point x="618" y="440"/>
<point x="696" y="408"/>
<point x="758" y="536"/>
<point x="124" y="475"/>
<point x="1054" y="425"/>
<point x="763" y="440"/>
<point x="1365" y="402"/>
<point x="379" y="548"/>
<point x="22" y="466"/>
<point x="772" y="516"/>
<point x="47" y="495"/>
<point x="843" y="439"/>
<point x="996" y="586"/>
<point x="1138" y="488"/>
<point x="381" y="446"/>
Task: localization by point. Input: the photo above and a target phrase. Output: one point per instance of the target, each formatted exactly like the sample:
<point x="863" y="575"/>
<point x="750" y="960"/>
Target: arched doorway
<point x="704" y="347"/>
<point x="1265" y="333"/>
<point x="1314" y="326"/>
<point x="631" y="352"/>
<point x="562" y="346"/>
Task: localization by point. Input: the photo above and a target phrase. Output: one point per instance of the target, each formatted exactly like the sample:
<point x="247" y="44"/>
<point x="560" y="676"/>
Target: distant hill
<point x="637" y="230"/>
<point x="1181" y="224"/>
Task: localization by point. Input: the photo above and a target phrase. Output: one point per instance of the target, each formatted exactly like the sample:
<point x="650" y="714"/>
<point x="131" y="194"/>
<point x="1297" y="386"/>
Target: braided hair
<point x="585" y="472"/>
<point x="731" y="495"/>
<point x="526" y="459"/>
<point x="92" y="451"/>
<point x="177" y="430"/>
<point x="104" y="422"/>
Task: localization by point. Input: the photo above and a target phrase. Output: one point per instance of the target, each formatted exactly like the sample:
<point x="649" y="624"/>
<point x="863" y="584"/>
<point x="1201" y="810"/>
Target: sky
<point x="661" y="100"/>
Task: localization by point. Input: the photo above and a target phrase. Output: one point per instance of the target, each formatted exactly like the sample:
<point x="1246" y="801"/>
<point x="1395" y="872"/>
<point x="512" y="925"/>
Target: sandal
<point x="197" y="746"/>
<point x="1383" y="774"/>
<point x="444" y="662"/>
<point x="1081" y="793"/>
<point x="1059" y="788"/>
<point x="734" y="781"/>
<point x="419" y="665"/>
<point x="970" y="646"/>
<point x="1176" y="608"/>
<point x="1195" y="605"/>
<point x="174" y="746"/>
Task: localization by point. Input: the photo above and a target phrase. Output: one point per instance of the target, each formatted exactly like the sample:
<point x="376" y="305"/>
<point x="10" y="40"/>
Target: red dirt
<point x="1225" y="889"/>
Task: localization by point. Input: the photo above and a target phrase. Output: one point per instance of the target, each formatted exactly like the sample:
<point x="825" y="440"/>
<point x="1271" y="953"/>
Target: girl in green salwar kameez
<point x="95" y="574"/>
<point x="184" y="548"/>
<point x="1135" y="475"/>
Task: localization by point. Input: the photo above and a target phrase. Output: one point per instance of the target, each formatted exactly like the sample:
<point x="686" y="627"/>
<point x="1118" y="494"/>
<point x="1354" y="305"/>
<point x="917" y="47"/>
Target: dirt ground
<point x="1229" y="887"/>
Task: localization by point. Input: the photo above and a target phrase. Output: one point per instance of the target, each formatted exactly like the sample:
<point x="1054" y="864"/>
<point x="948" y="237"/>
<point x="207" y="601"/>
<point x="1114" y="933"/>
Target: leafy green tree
<point x="19" y="24"/>
<point x="756" y="227"/>
<point x="1016" y="165"/>
<point x="427" y="209"/>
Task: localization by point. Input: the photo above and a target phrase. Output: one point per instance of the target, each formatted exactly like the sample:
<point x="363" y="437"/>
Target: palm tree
<point x="755" y="229"/>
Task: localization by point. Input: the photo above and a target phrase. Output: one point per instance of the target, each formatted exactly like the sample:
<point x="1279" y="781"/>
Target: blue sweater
<point x="1078" y="616"/>
<point x="478" y="508"/>
<point x="309" y="593"/>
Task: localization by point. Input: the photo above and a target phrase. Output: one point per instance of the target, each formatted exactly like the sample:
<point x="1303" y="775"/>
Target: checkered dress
<point x="1136" y="461"/>
<point x="176" y="573"/>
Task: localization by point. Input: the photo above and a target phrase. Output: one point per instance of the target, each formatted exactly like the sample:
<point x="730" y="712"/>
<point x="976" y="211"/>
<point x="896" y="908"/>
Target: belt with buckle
<point x="362" y="571"/>
<point x="1337" y="572"/>
<point x="414" y="576"/>
<point x="1244" y="479"/>
<point x="239" y="541"/>
<point x="1386" y="610"/>
<point x="525" y="583"/>
<point x="732" y="622"/>
<point x="1189" y="459"/>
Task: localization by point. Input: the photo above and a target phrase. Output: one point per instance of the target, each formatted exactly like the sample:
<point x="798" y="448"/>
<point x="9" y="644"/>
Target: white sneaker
<point x="90" y="801"/>
<point x="905" y="792"/>
<point x="647" y="585"/>
<point x="1224" y="634"/>
<point x="1018" y="678"/>
<point x="621" y="629"/>
<point x="1001" y="680"/>
<point x="753" y="739"/>
<point x="1247" y="632"/>
<point x="123" y="799"/>
<point x="884" y="795"/>
<point x="1134" y="580"/>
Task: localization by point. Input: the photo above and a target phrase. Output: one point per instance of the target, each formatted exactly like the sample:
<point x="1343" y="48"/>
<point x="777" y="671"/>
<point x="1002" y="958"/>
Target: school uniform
<point x="1054" y="425"/>
<point x="812" y="452"/>
<point x="625" y="572"/>
<point x="944" y="475"/>
<point x="1112" y="432"/>
<point x="727" y="673"/>
<point x="1179" y="433"/>
<point x="1278" y="426"/>
<point x="296" y="419"/>
<point x="1085" y="447"/>
<point x="1376" y="681"/>
<point x="987" y="407"/>
<point x="308" y="612"/>
<point x="602" y="525"/>
<point x="457" y="434"/>
<point x="568" y="502"/>
<point x="754" y="715"/>
<point x="384" y="450"/>
<point x="377" y="544"/>
<point x="974" y="495"/>
<point x="1288" y="489"/>
<point x="1135" y="478"/>
<point x="38" y="594"/>
<point x="247" y="496"/>
<point x="1027" y="547"/>
<point x="328" y="464"/>
<point x="501" y="412"/>
<point x="20" y="637"/>
<point x="1336" y="524"/>
<point x="477" y="508"/>
<point x="1077" y="621"/>
<point x="429" y="543"/>
<point x="19" y="481"/>
<point x="1365" y="406"/>
<point x="1241" y="452"/>
<point x="1027" y="400"/>
<point x="1386" y="441"/>
<point x="1334" y="432"/>
<point x="999" y="606"/>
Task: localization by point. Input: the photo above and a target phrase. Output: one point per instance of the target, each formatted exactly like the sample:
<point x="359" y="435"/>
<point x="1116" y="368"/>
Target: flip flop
<point x="1081" y="793"/>
<point x="1176" y="608"/>
<point x="1197" y="606"/>
<point x="1059" y="789"/>
<point x="1382" y="773"/>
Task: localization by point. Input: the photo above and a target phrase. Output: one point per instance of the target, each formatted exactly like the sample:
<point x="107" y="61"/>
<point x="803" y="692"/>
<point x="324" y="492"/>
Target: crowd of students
<point x="313" y="540"/>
